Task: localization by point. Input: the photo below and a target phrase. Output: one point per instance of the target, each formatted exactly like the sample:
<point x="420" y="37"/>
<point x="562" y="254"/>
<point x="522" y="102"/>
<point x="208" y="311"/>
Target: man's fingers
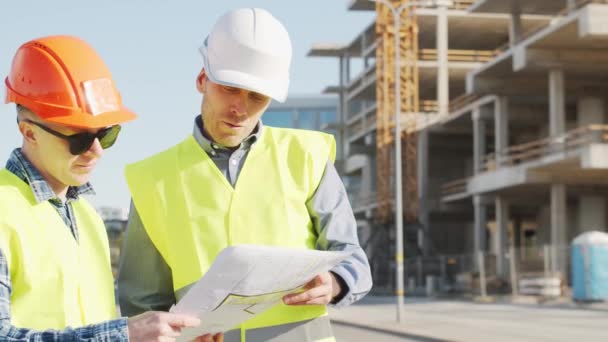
<point x="318" y="301"/>
<point x="169" y="331"/>
<point x="219" y="337"/>
<point x="316" y="281"/>
<point x="306" y="296"/>
<point x="181" y="321"/>
<point x="166" y="339"/>
<point x="204" y="338"/>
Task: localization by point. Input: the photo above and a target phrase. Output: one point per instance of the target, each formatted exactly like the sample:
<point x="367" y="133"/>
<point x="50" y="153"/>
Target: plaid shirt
<point x="114" y="330"/>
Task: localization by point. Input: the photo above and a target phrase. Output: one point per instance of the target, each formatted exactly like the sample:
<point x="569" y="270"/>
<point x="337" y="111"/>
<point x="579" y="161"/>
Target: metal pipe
<point x="398" y="174"/>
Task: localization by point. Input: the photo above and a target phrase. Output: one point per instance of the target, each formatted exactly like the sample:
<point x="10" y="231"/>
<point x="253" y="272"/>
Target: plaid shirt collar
<point x="25" y="170"/>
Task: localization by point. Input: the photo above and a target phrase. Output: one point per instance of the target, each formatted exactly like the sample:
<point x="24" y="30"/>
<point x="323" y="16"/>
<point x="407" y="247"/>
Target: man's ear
<point x="201" y="81"/>
<point x="27" y="132"/>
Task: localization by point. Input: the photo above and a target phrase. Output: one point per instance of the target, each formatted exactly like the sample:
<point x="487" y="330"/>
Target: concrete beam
<point x="594" y="157"/>
<point x="592" y="23"/>
<point x="505" y="85"/>
<point x="526" y="58"/>
<point x="505" y="178"/>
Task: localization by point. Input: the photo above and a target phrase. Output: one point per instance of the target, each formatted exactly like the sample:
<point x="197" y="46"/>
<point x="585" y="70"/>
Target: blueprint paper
<point x="246" y="280"/>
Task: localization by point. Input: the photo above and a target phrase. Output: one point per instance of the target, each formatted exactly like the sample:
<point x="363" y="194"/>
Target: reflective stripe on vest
<point x="56" y="281"/>
<point x="191" y="212"/>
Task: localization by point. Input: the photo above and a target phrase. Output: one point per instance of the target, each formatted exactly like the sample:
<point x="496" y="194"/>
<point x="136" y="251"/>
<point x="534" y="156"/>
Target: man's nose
<point x="239" y="104"/>
<point x="95" y="150"/>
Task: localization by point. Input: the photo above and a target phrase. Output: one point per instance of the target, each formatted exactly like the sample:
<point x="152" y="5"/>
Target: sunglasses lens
<point x="108" y="137"/>
<point x="80" y="143"/>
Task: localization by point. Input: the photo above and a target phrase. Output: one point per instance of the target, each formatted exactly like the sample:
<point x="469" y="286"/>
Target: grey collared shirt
<point x="145" y="281"/>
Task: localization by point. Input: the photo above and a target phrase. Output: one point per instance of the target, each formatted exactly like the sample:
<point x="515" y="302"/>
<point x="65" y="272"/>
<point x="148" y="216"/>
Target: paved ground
<point x="349" y="333"/>
<point x="443" y="320"/>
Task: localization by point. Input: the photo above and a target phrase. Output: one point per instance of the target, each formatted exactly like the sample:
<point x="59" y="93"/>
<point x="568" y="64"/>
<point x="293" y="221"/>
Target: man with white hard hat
<point x="235" y="181"/>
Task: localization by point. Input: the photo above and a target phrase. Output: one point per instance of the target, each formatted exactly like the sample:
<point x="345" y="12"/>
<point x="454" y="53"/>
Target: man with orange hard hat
<point x="55" y="277"/>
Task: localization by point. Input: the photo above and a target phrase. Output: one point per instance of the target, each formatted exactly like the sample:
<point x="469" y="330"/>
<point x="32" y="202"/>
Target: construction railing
<point x="454" y="187"/>
<point x="462" y="4"/>
<point x="540" y="271"/>
<point x="426" y="107"/>
<point x="432" y="106"/>
<point x="459" y="55"/>
<point x="536" y="149"/>
<point x="429" y="106"/>
<point x="462" y="101"/>
<point x="356" y="128"/>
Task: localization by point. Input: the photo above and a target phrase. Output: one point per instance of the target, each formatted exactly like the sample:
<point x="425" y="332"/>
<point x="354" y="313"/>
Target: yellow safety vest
<point x="56" y="281"/>
<point x="191" y="212"/>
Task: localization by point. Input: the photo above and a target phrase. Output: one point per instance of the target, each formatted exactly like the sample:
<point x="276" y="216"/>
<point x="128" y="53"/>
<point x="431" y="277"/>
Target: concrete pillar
<point x="500" y="239"/>
<point x="479" y="140"/>
<point x="479" y="229"/>
<point x="557" y="103"/>
<point x="423" y="189"/>
<point x="501" y="128"/>
<point x="592" y="214"/>
<point x="344" y="76"/>
<point x="517" y="233"/>
<point x="559" y="220"/>
<point x="443" y="78"/>
<point x="543" y="218"/>
<point x="591" y="111"/>
<point x="515" y="27"/>
<point x="346" y="68"/>
<point x="363" y="47"/>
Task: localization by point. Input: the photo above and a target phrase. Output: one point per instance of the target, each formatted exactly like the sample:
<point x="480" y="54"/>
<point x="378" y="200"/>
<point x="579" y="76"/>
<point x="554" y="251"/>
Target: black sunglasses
<point x="81" y="142"/>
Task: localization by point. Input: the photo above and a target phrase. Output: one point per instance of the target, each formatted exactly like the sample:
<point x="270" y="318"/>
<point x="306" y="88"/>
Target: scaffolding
<point x="385" y="122"/>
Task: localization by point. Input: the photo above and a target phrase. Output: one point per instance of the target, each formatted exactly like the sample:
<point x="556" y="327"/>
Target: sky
<point x="151" y="48"/>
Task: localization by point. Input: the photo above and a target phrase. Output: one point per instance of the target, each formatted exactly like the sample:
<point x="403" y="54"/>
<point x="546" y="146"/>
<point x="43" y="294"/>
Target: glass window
<point x="328" y="117"/>
<point x="278" y="119"/>
<point x="306" y="120"/>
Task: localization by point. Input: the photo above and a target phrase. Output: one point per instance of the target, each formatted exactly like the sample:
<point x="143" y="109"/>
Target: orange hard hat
<point x="63" y="80"/>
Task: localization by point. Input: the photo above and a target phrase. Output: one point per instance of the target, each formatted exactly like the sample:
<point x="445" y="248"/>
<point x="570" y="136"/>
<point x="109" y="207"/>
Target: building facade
<point x="515" y="165"/>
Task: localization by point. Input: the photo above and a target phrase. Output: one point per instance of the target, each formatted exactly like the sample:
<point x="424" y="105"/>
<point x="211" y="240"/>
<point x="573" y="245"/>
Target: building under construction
<point x="503" y="131"/>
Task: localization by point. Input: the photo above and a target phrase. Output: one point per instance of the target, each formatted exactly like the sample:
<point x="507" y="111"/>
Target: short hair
<point x="23" y="113"/>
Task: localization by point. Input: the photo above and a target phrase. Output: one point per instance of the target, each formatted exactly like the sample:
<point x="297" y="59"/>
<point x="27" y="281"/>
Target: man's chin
<point x="79" y="179"/>
<point x="231" y="141"/>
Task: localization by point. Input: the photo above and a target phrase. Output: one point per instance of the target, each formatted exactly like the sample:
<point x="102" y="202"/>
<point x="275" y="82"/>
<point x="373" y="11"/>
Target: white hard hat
<point x="248" y="48"/>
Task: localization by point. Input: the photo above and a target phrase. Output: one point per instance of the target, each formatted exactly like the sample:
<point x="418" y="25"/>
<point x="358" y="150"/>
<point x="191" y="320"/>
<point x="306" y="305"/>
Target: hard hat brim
<point x="86" y="120"/>
<point x="69" y="116"/>
<point x="232" y="78"/>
